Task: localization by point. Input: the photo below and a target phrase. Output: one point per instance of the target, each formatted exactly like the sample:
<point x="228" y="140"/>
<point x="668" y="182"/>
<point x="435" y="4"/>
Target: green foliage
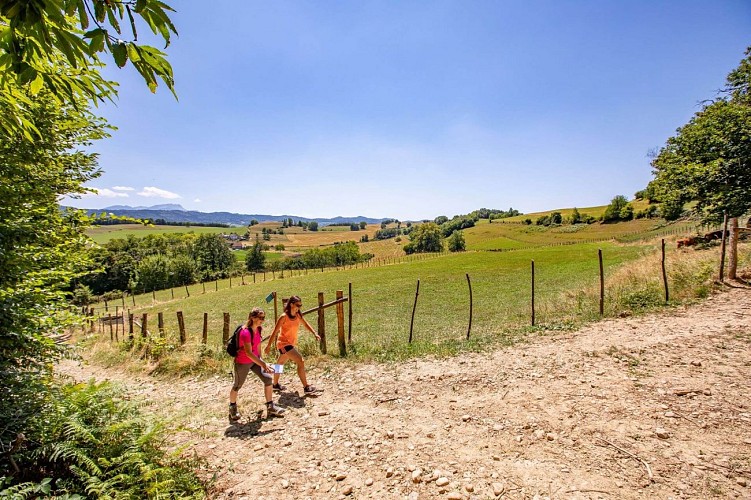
<point x="42" y="251"/>
<point x="312" y="226"/>
<point x="552" y="219"/>
<point x="617" y="209"/>
<point x="255" y="260"/>
<point x="56" y="46"/>
<point x="213" y="256"/>
<point x="456" y="242"/>
<point x="456" y="224"/>
<point x="425" y="238"/>
<point x="707" y="161"/>
<point x="386" y="233"/>
<point x="339" y="254"/>
<point x="96" y="444"/>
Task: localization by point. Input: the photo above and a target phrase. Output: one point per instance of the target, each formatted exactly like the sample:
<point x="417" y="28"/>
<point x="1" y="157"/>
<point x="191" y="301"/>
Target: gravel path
<point x="657" y="406"/>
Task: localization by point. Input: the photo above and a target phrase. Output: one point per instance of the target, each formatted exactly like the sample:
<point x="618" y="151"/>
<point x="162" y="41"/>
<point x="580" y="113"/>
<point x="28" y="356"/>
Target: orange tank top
<point x="288" y="334"/>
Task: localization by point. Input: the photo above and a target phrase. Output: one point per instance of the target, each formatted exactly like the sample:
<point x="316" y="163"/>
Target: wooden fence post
<point x="144" y="324"/>
<point x="153" y="295"/>
<point x="172" y="291"/>
<point x="203" y="284"/>
<point x="722" y="247"/>
<point x="205" y="327"/>
<point x="321" y="323"/>
<point x="533" y="293"/>
<point x="181" y="326"/>
<point x="602" y="284"/>
<point x="340" y="324"/>
<point x="133" y="297"/>
<point x="225" y="329"/>
<point x="187" y="291"/>
<point x="160" y="323"/>
<point x="109" y="321"/>
<point x="664" y="273"/>
<point x="130" y="326"/>
<point x="349" y="324"/>
<point x="414" y="307"/>
<point x="276" y="309"/>
<point x="469" y="328"/>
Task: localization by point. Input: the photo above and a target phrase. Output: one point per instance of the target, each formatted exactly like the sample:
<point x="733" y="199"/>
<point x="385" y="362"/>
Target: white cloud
<point x="154" y="192"/>
<point x="104" y="193"/>
<point x="197" y="200"/>
<point x="122" y="188"/>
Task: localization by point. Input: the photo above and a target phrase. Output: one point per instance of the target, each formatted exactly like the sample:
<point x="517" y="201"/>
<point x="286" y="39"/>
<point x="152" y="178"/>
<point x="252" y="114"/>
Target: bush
<point x="94" y="443"/>
<point x="456" y="242"/>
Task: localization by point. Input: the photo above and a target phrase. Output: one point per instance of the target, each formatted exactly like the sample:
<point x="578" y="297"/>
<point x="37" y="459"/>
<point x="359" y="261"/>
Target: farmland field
<point x="102" y="234"/>
<point x="383" y="296"/>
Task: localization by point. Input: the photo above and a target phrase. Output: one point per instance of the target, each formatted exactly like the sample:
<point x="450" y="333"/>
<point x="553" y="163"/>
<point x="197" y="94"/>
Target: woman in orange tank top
<point x="285" y="337"/>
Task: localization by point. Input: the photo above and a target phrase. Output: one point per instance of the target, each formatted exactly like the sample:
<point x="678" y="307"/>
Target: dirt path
<point x="650" y="407"/>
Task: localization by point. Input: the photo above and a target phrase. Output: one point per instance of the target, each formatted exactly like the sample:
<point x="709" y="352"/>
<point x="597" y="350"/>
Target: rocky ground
<point x="657" y="406"/>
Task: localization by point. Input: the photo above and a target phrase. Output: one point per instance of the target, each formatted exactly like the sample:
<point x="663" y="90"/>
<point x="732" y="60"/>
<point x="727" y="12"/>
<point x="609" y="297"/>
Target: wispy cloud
<point x="197" y="200"/>
<point x="104" y="193"/>
<point x="122" y="188"/>
<point x="154" y="192"/>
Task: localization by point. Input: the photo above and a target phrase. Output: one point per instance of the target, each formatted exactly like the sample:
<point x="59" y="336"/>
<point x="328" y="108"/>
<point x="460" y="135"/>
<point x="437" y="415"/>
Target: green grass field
<point x="498" y="262"/>
<point x="383" y="297"/>
<point x="102" y="234"/>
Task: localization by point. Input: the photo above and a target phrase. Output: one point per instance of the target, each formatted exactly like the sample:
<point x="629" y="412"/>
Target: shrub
<point x="94" y="443"/>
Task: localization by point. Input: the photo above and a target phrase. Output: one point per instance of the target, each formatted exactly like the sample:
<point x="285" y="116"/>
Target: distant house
<point x="238" y="245"/>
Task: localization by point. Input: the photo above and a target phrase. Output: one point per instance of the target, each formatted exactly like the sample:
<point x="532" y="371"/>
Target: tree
<point x="42" y="251"/>
<point x="708" y="160"/>
<point x="456" y="242"/>
<point x="575" y="217"/>
<point x="363" y="224"/>
<point x="425" y="238"/>
<point x="312" y="226"/>
<point x="614" y="209"/>
<point x="255" y="260"/>
<point x="212" y="255"/>
<point x="56" y="46"/>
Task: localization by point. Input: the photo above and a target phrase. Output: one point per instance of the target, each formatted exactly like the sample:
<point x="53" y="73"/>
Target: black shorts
<point x="286" y="349"/>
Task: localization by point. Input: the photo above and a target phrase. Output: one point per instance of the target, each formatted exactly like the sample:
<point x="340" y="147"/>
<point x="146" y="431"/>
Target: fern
<point x="100" y="446"/>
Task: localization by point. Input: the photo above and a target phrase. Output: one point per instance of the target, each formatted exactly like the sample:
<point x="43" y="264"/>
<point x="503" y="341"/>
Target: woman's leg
<point x="296" y="358"/>
<point x="283" y="358"/>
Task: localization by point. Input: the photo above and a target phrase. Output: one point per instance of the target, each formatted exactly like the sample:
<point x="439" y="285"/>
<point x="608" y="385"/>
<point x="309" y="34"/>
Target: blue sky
<point x="414" y="109"/>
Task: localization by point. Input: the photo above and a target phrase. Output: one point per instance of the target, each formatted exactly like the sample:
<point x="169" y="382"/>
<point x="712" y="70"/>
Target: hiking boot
<point x="279" y="387"/>
<point x="309" y="390"/>
<point x="234" y="415"/>
<point x="273" y="410"/>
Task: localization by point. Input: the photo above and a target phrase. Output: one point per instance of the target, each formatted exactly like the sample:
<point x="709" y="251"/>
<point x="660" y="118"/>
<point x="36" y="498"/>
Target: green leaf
<point x="113" y="20"/>
<point x="83" y="17"/>
<point x="100" y="11"/>
<point x="120" y="53"/>
<point x="132" y="22"/>
<point x="37" y="85"/>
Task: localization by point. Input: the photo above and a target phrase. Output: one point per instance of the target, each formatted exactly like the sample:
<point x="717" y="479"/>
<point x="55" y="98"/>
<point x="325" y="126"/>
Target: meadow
<point x="103" y="234"/>
<point x="383" y="296"/>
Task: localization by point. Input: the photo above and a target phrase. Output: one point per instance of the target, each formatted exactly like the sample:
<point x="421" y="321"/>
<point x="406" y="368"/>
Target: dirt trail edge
<point x="657" y="406"/>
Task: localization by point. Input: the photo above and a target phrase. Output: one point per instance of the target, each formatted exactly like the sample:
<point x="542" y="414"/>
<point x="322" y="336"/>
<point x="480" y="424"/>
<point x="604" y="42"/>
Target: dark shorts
<point x="241" y="374"/>
<point x="286" y="349"/>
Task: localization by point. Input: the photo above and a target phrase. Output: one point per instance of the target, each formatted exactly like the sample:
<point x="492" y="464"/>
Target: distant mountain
<point x="166" y="206"/>
<point x="179" y="214"/>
